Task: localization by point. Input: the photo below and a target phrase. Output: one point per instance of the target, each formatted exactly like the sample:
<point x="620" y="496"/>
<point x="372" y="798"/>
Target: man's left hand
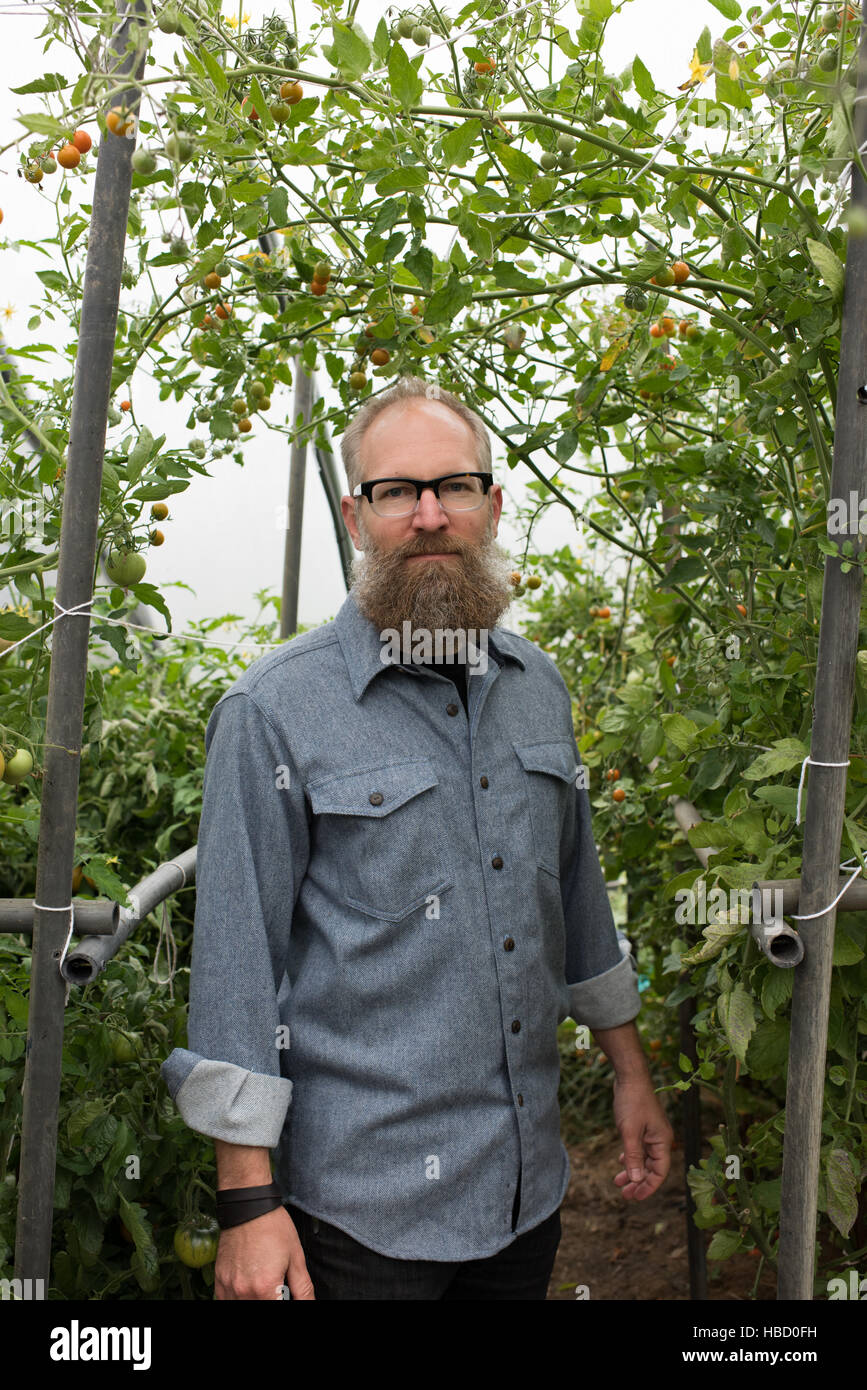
<point x="647" y="1137"/>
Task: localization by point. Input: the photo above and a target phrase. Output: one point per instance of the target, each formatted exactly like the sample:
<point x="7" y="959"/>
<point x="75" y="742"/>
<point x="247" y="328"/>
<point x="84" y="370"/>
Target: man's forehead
<point x="391" y="426"/>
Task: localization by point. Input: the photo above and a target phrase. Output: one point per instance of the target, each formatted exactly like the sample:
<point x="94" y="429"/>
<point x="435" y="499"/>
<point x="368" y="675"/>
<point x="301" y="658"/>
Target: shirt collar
<point x="361" y="646"/>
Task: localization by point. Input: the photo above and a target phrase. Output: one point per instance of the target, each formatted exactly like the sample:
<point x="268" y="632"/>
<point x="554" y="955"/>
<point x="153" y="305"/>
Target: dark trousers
<point x="341" y="1267"/>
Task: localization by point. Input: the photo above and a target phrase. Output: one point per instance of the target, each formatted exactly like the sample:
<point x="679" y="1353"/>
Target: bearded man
<point x="398" y="900"/>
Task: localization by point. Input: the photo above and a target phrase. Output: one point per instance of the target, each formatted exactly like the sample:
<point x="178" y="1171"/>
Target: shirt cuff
<point x="225" y="1101"/>
<point x="607" y="1000"/>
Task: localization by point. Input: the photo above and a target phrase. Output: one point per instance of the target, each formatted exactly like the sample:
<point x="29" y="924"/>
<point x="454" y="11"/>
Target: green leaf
<point x="737" y="1015"/>
<point x="846" y="952"/>
<point x="406" y="85"/>
<point x="12" y="625"/>
<point x="704" y="46"/>
<point x="724" y="1243"/>
<point x="644" y="84"/>
<point x="381" y="40"/>
<point x="139" y="454"/>
<point x="420" y="263"/>
<point x="213" y="69"/>
<point x="404" y="179"/>
<point x="842" y="1190"/>
<point x="352" y="48"/>
<point x="53" y="279"/>
<point x="647" y="266"/>
<point x="769" y="1047"/>
<point x="457" y="144"/>
<point x="785" y="753"/>
<point x="776" y="990"/>
<point x="521" y="167"/>
<point x="716" y="936"/>
<point x="680" y="731"/>
<point x="730" y="8"/>
<point x="651" y="741"/>
<point x="44" y="125"/>
<point x="684" y="571"/>
<point x="448" y="300"/>
<point x="51" y="82"/>
<point x="278" y="205"/>
<point x="828" y="266"/>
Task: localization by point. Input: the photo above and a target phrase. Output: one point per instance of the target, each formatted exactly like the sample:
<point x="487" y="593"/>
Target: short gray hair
<point x="408" y="388"/>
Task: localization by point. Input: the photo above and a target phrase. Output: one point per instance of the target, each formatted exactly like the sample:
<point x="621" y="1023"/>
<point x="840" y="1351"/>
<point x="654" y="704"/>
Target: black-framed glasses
<point x="455" y="492"/>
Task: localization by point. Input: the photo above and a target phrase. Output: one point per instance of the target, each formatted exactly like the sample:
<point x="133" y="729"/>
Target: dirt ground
<point x="636" y="1250"/>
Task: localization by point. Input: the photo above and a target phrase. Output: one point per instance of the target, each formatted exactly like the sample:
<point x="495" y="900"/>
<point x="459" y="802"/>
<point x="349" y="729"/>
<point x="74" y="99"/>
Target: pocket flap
<point x="349" y="794"/>
<point x="556" y="757"/>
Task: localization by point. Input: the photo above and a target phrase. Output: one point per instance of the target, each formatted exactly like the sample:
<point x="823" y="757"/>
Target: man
<point x="398" y="899"/>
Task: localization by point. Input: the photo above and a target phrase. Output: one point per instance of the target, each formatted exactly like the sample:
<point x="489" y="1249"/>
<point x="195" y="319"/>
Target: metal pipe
<point x="98" y="918"/>
<point x="297" y="471"/>
<point x="90" y="957"/>
<point x="779" y="942"/>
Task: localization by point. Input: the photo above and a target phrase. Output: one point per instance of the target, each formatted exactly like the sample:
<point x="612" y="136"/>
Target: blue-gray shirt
<point x="396" y="905"/>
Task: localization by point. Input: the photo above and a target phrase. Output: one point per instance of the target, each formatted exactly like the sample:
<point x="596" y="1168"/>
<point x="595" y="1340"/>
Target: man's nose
<point x="429" y="514"/>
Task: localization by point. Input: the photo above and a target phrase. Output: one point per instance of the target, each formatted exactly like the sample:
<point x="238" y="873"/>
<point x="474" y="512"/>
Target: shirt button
<point x="375" y="798"/>
<point x="451" y="709"/>
<point x="483" y="781"/>
<point x="508" y="944"/>
<point x="520" y="1099"/>
<point x="497" y="862"/>
<point x="516" y="1025"/>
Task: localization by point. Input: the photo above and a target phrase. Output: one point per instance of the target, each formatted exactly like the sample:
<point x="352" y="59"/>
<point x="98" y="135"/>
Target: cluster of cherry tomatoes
<point x="68" y="157"/>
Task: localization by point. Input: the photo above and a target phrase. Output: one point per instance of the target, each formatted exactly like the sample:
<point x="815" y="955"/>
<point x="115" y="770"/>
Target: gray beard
<point x="470" y="595"/>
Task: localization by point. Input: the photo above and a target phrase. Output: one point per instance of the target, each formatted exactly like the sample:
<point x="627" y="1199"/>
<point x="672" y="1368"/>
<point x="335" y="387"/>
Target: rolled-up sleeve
<point x="602" y="981"/>
<point x="252" y="855"/>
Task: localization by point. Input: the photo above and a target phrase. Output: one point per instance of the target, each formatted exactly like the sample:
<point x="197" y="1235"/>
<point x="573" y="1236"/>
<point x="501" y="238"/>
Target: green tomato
<point x="19" y="766"/>
<point x="196" y="1242"/>
<point x="421" y="35"/>
<point x="124" y="1046"/>
<point x="125" y="567"/>
<point x="566" y="143"/>
<point x="143" y="162"/>
<point x="405" y="26"/>
<point x="180" y="147"/>
<point x="223" y="269"/>
<point x="548" y="160"/>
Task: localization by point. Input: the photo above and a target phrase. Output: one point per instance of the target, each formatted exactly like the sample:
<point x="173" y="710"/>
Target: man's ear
<point x="496" y="505"/>
<point x="347" y="507"/>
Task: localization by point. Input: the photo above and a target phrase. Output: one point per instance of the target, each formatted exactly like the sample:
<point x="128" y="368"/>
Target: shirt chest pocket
<point x="384" y="831"/>
<point x="551" y="772"/>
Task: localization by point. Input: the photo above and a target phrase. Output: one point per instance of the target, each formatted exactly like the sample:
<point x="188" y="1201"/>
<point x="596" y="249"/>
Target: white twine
<point x="815" y="763"/>
<point x="78" y="611"/>
<point x="167" y="935"/>
<point x="805" y="916"/>
<point x="70" y="908"/>
<point x="64" y="612"/>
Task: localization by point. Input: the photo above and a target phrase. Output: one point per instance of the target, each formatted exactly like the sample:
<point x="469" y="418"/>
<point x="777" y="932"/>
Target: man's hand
<point x="646" y="1136"/>
<point x="257" y="1258"/>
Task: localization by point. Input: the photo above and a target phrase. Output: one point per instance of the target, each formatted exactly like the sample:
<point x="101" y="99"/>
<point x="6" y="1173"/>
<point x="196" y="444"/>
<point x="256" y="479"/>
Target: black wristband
<point x="235" y="1205"/>
<point x="246" y="1194"/>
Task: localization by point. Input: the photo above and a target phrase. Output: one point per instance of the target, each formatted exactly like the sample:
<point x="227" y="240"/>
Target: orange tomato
<point x="68" y="156"/>
<point x="82" y="141"/>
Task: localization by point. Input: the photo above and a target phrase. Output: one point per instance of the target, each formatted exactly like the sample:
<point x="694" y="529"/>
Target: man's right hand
<point x="257" y="1258"/>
